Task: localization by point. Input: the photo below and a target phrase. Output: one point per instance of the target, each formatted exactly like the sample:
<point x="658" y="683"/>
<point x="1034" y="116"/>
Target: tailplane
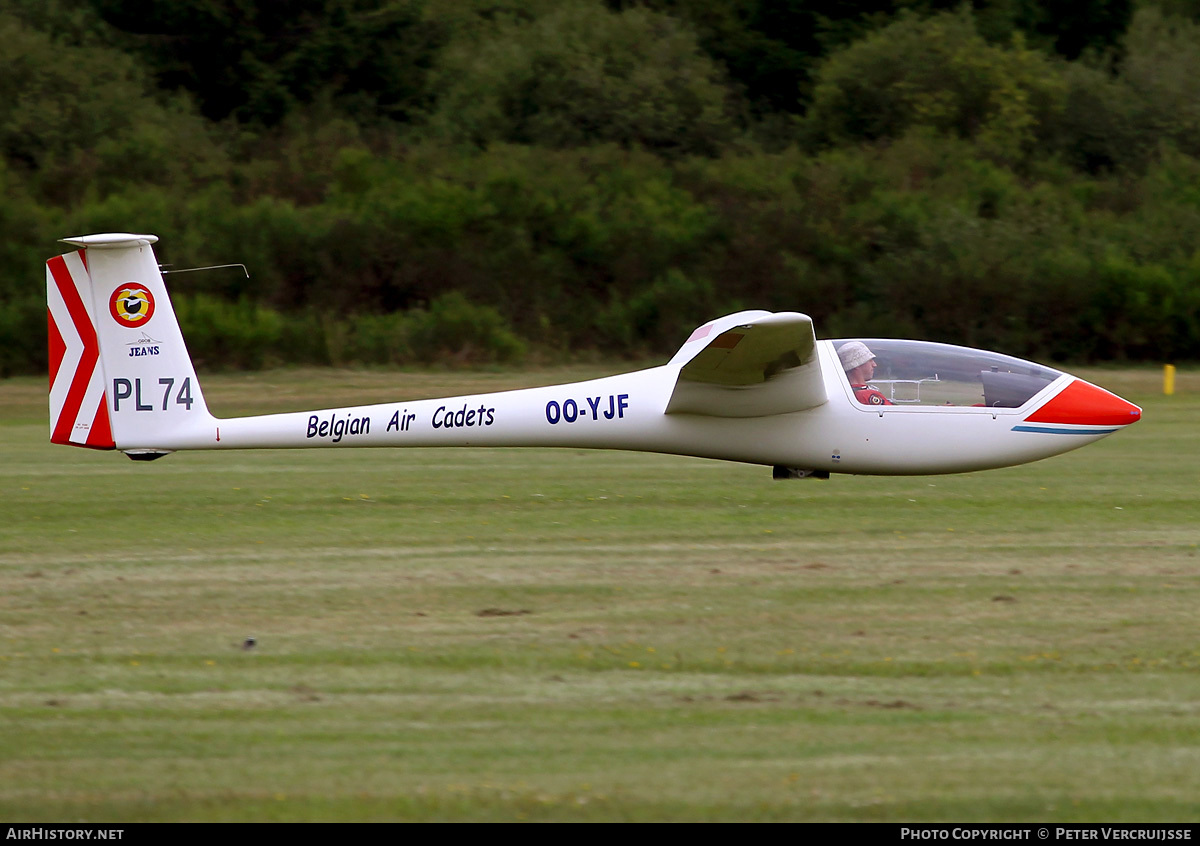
<point x="120" y="374"/>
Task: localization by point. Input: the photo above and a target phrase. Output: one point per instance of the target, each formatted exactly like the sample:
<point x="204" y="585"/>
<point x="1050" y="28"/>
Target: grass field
<point x="540" y="635"/>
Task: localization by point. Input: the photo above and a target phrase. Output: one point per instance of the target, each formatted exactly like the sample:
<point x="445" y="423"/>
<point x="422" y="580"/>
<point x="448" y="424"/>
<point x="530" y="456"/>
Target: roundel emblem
<point x="132" y="304"/>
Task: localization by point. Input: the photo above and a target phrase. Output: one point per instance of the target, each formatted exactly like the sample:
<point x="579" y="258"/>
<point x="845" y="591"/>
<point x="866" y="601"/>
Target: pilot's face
<point x="863" y="372"/>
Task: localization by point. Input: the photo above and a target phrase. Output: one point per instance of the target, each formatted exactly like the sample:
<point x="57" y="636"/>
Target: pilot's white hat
<point x="854" y="354"/>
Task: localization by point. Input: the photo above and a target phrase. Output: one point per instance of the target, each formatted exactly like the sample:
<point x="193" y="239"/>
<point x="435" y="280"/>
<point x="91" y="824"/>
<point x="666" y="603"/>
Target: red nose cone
<point x="1082" y="403"/>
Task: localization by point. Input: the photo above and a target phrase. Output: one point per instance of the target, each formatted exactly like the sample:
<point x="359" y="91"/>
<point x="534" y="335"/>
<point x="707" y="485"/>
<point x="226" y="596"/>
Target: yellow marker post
<point x="1168" y="379"/>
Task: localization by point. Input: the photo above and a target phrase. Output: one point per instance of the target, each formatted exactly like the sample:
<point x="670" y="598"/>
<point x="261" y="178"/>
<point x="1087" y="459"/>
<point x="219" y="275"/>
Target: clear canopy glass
<point x="923" y="373"/>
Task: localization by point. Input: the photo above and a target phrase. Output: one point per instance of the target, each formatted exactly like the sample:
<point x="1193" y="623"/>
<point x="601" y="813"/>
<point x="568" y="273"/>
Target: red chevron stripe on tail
<point x="78" y="404"/>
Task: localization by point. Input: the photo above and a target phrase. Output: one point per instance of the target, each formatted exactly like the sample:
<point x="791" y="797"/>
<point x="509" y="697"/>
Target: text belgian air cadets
<point x="337" y="425"/>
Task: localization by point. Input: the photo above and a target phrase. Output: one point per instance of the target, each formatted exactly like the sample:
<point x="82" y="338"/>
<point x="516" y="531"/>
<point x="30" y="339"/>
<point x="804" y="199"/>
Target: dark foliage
<point x="466" y="180"/>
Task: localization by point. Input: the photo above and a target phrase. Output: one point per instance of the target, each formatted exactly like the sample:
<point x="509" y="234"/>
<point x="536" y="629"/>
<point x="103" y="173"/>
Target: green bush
<point x="936" y="73"/>
<point x="224" y="335"/>
<point x="1161" y="70"/>
<point x="658" y="317"/>
<point x="377" y="339"/>
<point x="455" y="330"/>
<point x="581" y="75"/>
<point x="23" y="345"/>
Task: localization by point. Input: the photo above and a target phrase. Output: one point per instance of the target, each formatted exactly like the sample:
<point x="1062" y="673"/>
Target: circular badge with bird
<point x="132" y="304"/>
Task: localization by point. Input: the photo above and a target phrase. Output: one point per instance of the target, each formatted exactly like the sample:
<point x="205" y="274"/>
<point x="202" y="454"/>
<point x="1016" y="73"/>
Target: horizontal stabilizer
<point x="756" y="364"/>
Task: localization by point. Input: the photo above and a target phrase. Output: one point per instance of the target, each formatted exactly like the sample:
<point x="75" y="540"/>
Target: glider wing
<point x="754" y="365"/>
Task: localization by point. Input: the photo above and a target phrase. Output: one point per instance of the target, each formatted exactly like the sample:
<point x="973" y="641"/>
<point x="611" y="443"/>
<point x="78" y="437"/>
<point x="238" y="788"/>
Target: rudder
<point x="78" y="402"/>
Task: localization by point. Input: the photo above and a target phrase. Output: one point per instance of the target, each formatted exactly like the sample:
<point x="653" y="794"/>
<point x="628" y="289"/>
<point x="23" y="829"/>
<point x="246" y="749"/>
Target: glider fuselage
<point x="627" y="412"/>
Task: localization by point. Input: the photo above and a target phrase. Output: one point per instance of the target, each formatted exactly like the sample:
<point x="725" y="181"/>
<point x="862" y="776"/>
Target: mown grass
<point x="531" y="634"/>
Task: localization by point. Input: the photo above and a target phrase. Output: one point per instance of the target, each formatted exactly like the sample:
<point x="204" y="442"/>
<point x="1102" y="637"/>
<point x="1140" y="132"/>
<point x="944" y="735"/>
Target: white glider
<point x="754" y="386"/>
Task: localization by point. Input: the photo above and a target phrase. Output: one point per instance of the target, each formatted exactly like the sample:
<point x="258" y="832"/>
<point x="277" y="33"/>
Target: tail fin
<point x="120" y="374"/>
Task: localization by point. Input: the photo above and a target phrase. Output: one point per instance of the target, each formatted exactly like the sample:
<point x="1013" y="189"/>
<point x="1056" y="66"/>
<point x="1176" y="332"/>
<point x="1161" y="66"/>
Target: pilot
<point x="859" y="363"/>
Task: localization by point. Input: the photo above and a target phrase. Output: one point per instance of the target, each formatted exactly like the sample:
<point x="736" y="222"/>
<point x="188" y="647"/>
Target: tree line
<point x="481" y="180"/>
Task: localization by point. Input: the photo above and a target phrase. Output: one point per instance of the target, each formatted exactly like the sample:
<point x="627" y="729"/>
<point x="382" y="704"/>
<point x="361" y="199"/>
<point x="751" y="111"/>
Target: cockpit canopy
<point x="909" y="373"/>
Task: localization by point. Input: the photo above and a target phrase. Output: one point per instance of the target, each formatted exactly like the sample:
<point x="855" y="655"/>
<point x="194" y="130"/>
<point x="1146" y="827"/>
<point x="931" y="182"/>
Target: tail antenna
<point x="163" y="268"/>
